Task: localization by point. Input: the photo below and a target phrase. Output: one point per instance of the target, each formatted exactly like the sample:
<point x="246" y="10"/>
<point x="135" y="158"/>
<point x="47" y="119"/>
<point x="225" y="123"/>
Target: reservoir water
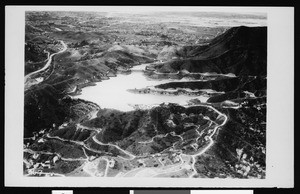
<point x="113" y="93"/>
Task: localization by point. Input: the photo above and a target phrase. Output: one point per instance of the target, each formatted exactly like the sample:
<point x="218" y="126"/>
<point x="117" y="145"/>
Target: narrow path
<point x="126" y="152"/>
<point x="76" y="142"/>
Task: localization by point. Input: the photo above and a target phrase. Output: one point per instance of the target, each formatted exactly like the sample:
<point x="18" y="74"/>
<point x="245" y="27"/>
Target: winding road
<point x="211" y="141"/>
<point x="183" y="165"/>
<point x="188" y="163"/>
<point x="47" y="64"/>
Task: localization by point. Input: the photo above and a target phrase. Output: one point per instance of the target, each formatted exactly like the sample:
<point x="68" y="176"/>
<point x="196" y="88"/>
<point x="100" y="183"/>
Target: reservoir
<point x="113" y="93"/>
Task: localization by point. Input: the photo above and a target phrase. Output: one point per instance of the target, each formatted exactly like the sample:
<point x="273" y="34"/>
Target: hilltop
<point x="240" y="50"/>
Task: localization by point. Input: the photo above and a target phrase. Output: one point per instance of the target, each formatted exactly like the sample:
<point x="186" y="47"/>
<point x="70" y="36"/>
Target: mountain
<point x="240" y="50"/>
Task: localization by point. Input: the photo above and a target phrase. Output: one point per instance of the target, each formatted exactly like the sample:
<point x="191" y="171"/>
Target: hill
<point x="240" y="50"/>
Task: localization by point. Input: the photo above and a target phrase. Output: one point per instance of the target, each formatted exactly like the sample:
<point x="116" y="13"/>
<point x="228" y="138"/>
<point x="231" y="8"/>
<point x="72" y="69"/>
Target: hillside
<point x="240" y="50"/>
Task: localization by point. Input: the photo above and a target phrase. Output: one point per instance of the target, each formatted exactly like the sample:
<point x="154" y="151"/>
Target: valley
<point x="124" y="96"/>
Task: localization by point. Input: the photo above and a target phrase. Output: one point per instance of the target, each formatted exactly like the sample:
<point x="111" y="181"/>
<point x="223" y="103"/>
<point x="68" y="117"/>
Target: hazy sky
<point x="143" y="9"/>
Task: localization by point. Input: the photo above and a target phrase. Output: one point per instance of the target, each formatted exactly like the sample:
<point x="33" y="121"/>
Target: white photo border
<point x="280" y="105"/>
